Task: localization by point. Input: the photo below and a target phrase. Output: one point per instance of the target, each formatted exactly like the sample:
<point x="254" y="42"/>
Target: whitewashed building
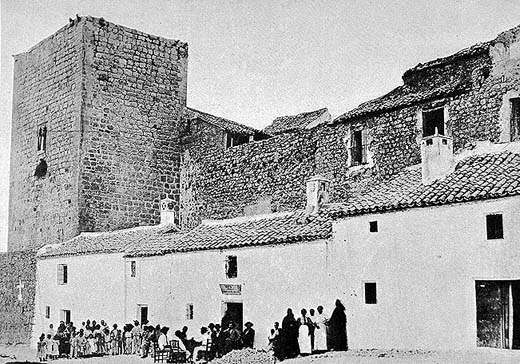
<point x="427" y="259"/>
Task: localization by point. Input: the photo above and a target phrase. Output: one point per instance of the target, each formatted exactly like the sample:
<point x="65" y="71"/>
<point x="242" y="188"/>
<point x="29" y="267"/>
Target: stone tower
<point x="94" y="131"/>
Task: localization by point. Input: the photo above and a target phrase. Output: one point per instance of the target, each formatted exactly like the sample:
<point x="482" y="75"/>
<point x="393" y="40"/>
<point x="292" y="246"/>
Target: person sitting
<point x="181" y="347"/>
<point x="202" y="343"/>
<point x="248" y="336"/>
<point x="162" y="342"/>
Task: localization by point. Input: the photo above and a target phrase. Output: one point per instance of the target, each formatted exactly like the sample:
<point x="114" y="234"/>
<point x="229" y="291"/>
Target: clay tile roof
<point x="269" y="230"/>
<point x="222" y="123"/>
<point x="104" y="242"/>
<point x="158" y="240"/>
<point x="404" y="96"/>
<point x="289" y="123"/>
<point x="477" y="177"/>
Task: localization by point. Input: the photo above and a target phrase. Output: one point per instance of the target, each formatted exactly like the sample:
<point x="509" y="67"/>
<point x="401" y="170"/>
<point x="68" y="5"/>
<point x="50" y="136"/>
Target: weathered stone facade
<point x="110" y="98"/>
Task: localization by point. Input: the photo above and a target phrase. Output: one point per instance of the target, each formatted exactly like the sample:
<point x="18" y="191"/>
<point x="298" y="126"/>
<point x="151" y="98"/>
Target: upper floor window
<point x="133" y="268"/>
<point x="494" y="226"/>
<point x="515" y="119"/>
<point x="431" y="120"/>
<point x="233" y="139"/>
<point x="42" y="138"/>
<point x="48" y="312"/>
<point x="63" y="276"/>
<point x="358" y="147"/>
<point x="231" y="266"/>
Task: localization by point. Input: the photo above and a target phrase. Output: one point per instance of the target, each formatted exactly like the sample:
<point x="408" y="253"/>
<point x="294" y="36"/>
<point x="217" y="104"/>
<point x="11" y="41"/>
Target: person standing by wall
<point x="338" y="328"/>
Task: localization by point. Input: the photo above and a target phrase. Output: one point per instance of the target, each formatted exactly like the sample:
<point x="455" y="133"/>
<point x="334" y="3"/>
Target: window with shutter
<point x="358" y="147"/>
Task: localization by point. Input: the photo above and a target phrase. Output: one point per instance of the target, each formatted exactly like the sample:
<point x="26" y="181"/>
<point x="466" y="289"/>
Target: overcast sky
<point x="251" y="61"/>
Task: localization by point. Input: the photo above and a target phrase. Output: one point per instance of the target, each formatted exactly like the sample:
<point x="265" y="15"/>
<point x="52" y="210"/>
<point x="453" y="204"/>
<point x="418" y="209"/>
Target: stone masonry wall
<point x="274" y="171"/>
<point x="47" y="92"/>
<point x="16" y="315"/>
<point x="135" y="91"/>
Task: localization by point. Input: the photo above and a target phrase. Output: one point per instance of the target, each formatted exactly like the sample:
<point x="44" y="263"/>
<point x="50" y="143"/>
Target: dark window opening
<point x="189" y="311"/>
<point x="133" y="268"/>
<point x="233" y="139"/>
<point x="373" y="226"/>
<point x="48" y="312"/>
<point x="433" y="119"/>
<point x="358" y="149"/>
<point x="515" y="119"/>
<point x="494" y="226"/>
<point x="370" y="293"/>
<point x="62" y="274"/>
<point x="231" y="266"/>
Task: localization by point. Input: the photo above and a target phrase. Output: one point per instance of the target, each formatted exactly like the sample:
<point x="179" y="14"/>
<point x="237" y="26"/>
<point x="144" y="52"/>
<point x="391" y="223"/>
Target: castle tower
<point x="94" y="131"/>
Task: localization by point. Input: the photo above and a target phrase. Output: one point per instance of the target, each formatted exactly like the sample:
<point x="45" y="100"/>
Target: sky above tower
<point x="252" y="61"/>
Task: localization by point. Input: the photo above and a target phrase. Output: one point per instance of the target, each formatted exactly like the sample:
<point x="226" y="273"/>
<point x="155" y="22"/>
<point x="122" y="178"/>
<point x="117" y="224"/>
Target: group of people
<point x="91" y="339"/>
<point x="310" y="333"/>
<point x="97" y="339"/>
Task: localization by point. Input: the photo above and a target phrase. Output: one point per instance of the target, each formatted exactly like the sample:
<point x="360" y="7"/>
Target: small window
<point x="358" y="149"/>
<point x="42" y="138"/>
<point x="370" y="293"/>
<point x="494" y="226"/>
<point x="515" y="119"/>
<point x="233" y="139"/>
<point x="231" y="266"/>
<point x="373" y="226"/>
<point x="133" y="268"/>
<point x="433" y="119"/>
<point x="189" y="311"/>
<point x="48" y="312"/>
<point x="63" y="277"/>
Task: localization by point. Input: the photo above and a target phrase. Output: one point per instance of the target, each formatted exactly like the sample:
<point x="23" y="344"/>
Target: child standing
<point x="113" y="340"/>
<point x="74" y="345"/>
<point x="42" y="348"/>
<point x="82" y="343"/>
<point x="55" y="352"/>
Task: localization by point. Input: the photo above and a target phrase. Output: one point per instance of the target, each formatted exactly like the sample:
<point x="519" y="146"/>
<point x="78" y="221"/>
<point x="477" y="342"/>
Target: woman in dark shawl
<point x="338" y="328"/>
<point x="290" y="335"/>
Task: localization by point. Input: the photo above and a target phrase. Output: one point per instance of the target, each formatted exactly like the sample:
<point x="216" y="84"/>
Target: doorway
<point x="142" y="314"/>
<point x="65" y="316"/>
<point x="498" y="314"/>
<point x="232" y="312"/>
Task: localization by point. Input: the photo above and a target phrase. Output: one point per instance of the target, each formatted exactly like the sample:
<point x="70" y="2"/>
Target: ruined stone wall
<point x="263" y="176"/>
<point x="47" y="93"/>
<point x="135" y="90"/>
<point x="16" y="316"/>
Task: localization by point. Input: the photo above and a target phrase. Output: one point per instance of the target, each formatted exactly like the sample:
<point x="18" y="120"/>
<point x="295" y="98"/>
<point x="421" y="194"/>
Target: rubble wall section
<point x="16" y="315"/>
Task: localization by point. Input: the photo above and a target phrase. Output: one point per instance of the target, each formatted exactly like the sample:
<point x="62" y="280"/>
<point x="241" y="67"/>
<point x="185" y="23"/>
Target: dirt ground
<point x="22" y="353"/>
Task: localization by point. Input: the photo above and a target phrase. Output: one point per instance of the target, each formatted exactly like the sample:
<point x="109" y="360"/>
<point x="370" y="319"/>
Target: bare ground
<point x="22" y="353"/>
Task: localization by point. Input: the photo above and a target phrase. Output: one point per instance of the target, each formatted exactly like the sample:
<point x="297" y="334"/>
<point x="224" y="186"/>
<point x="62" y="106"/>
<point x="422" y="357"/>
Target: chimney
<point x="317" y="193"/>
<point x="436" y="157"/>
<point x="168" y="212"/>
